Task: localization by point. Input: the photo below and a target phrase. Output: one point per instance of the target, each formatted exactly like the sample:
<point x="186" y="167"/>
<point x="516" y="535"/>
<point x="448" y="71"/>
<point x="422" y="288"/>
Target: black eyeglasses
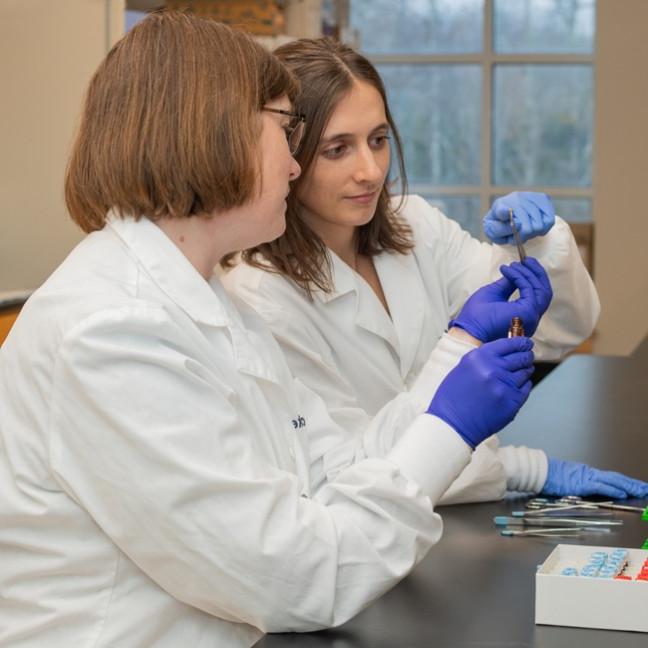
<point x="295" y="130"/>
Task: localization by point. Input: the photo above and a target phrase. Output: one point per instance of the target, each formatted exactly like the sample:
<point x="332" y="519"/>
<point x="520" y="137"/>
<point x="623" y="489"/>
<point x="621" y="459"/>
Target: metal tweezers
<point x="543" y="533"/>
<point x="516" y="236"/>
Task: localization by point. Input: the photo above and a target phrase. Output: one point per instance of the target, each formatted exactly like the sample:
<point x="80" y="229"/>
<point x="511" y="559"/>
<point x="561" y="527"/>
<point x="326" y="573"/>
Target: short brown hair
<point x="326" y="70"/>
<point x="171" y="122"/>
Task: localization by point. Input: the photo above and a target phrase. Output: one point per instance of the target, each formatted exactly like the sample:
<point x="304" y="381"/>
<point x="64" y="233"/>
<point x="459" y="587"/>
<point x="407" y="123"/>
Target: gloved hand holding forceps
<point x="486" y="315"/>
<point x="533" y="213"/>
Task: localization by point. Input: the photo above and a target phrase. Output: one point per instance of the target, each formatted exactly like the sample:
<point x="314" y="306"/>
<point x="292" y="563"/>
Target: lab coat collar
<point x="406" y="297"/>
<point x="204" y="302"/>
<point x="370" y="314"/>
<point x="170" y="269"/>
<point x="343" y="279"/>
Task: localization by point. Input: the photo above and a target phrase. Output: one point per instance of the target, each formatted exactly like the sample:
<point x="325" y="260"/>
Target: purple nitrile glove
<point x="572" y="478"/>
<point x="486" y="389"/>
<point x="487" y="313"/>
<point x="533" y="214"/>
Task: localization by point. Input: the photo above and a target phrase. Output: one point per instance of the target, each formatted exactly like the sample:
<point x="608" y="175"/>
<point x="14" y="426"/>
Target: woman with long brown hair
<point x="157" y="483"/>
<point x="362" y="285"/>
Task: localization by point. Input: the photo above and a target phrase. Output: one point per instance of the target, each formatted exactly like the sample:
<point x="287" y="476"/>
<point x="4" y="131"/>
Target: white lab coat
<point x="344" y="345"/>
<point x="156" y="480"/>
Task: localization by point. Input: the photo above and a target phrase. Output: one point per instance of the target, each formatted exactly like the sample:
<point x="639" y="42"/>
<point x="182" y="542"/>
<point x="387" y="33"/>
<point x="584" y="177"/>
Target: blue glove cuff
<point x="476" y="333"/>
<point x="552" y="486"/>
<point x="469" y="441"/>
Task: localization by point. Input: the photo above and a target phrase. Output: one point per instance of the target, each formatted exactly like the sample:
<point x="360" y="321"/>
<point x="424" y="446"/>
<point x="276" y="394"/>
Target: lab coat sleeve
<point x="464" y="264"/>
<point x="149" y="440"/>
<point x="525" y="468"/>
<point x="484" y="478"/>
<point x="492" y="470"/>
<point x="356" y="433"/>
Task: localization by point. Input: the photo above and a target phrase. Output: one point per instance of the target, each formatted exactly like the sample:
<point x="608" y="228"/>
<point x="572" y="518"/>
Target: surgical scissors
<point x="516" y="236"/>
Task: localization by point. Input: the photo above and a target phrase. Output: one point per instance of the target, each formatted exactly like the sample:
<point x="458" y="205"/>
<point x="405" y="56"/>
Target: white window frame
<point x="487" y="59"/>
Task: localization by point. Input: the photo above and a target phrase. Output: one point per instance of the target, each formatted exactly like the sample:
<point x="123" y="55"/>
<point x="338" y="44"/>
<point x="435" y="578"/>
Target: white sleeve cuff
<point x="432" y="454"/>
<point x="525" y="468"/>
<point x="555" y="240"/>
<point x="444" y="357"/>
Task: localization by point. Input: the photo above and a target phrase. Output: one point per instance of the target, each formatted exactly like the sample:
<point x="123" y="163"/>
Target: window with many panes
<point x="489" y="96"/>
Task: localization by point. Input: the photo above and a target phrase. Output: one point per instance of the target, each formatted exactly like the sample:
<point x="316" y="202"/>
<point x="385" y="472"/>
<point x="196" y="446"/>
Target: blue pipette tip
<point x="500" y="520"/>
<point x="517" y="513"/>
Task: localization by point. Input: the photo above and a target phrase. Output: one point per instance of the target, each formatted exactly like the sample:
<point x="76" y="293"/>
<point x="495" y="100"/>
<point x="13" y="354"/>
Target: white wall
<point x="48" y="52"/>
<point x="621" y="174"/>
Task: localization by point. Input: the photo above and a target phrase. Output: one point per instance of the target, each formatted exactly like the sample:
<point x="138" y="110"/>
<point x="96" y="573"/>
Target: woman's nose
<point x="368" y="169"/>
<point x="295" y="169"/>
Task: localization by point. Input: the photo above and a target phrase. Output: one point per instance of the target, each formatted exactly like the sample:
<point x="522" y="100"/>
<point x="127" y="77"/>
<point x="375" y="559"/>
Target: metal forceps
<point x="540" y="505"/>
<point x="604" y="505"/>
<point x="544" y="533"/>
<point x="516" y="236"/>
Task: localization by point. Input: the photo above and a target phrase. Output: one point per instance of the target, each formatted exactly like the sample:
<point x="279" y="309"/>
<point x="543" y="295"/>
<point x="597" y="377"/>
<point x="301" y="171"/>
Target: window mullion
<point x="486" y="60"/>
<point x="486" y="121"/>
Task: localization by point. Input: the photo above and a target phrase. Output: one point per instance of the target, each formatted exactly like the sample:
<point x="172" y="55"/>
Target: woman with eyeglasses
<point x="361" y="287"/>
<point x="165" y="480"/>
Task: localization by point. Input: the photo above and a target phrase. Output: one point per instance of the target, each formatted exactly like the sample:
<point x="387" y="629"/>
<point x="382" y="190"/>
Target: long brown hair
<point x="326" y="70"/>
<point x="171" y="122"/>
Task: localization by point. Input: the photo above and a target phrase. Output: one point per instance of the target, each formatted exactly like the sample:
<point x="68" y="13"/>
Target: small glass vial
<point x="517" y="329"/>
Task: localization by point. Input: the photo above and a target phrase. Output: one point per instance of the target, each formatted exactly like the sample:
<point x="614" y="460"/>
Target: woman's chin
<point x="277" y="231"/>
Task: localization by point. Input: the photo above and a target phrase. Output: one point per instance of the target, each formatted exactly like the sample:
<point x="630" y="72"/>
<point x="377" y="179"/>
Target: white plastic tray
<point x="590" y="602"/>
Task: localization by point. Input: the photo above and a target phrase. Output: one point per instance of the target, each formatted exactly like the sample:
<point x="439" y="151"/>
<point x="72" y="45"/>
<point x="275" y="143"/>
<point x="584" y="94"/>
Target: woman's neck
<point x="341" y="239"/>
<point x="194" y="237"/>
<point x="347" y="249"/>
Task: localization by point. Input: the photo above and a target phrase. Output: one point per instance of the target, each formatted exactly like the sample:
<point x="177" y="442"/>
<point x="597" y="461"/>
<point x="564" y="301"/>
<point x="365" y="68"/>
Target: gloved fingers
<point x="524" y="391"/>
<point x="499" y="232"/>
<point x="540" y="284"/>
<point x="531" y="275"/>
<point x="546" y="207"/>
<point x="637" y="488"/>
<point x="634" y="487"/>
<point x="597" y="487"/>
<point x="521" y="280"/>
<point x="507" y="346"/>
<point x="542" y="293"/>
<point x="541" y="200"/>
<point x="527" y="214"/>
<point x="500" y="208"/>
<point x="502" y="287"/>
<point x="496" y="221"/>
<point x="520" y="377"/>
<point x="517" y="361"/>
<point x="538" y="270"/>
<point x="529" y="218"/>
